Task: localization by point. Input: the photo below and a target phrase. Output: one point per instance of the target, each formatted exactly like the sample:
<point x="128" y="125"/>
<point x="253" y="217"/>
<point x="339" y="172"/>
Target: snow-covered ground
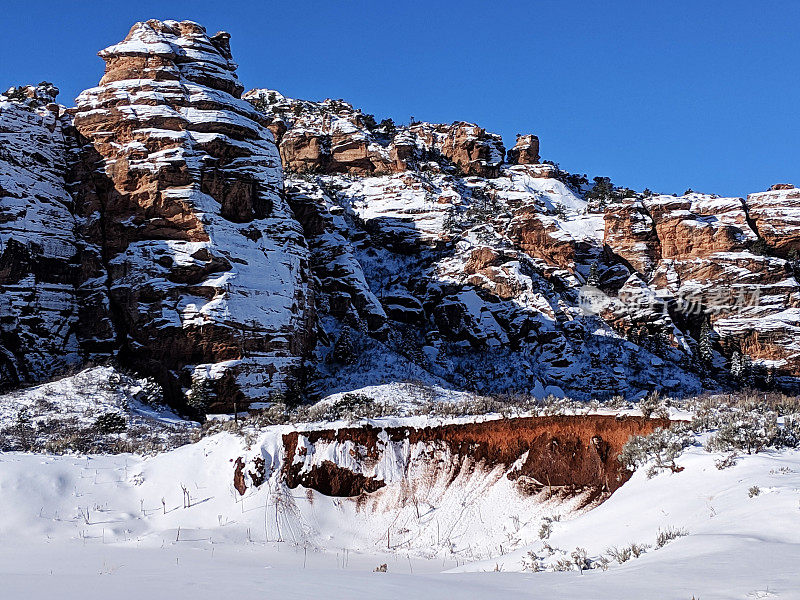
<point x="87" y="394"/>
<point x="116" y="526"/>
<point x="62" y="415"/>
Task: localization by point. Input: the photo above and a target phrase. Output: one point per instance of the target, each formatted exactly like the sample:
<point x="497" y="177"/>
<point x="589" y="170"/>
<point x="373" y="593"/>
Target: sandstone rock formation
<point x="469" y="147"/>
<point x="38" y="251"/>
<point x="776" y="217"/>
<point x="698" y="255"/>
<point x="525" y="151"/>
<point x="333" y="137"/>
<point x="237" y="246"/>
<point x="208" y="268"/>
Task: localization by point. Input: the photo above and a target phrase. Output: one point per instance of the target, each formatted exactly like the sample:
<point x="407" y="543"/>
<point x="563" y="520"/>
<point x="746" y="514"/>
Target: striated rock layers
<point x="38" y="252"/>
<point x="721" y="259"/>
<point x="149" y="223"/>
<point x="333" y="137"/>
<point x="565" y="454"/>
<point x="232" y="245"/>
<point x="207" y="268"/>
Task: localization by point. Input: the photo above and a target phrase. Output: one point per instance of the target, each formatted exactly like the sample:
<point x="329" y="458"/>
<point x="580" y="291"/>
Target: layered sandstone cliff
<point x="38" y="251"/>
<point x="719" y="259"/>
<point x="208" y="268"/>
<point x="334" y="137"/>
<point x="236" y="246"/>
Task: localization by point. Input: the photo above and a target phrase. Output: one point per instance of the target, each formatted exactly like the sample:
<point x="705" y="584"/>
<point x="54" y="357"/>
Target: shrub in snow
<point x="110" y="423"/>
<point x="350" y="407"/>
<point x="624" y="554"/>
<point x="754" y="491"/>
<point x="580" y="559"/>
<point x="621" y="555"/>
<point x="653" y="404"/>
<point x="752" y="431"/>
<point x="727" y="462"/>
<point x="545" y="530"/>
<point x="619" y="401"/>
<point x="665" y="536"/>
<point x="563" y="564"/>
<point x="603" y="562"/>
<point x="530" y="562"/>
<point x="788" y="434"/>
<point x="21" y="435"/>
<point x="150" y="393"/>
<point x="660" y="448"/>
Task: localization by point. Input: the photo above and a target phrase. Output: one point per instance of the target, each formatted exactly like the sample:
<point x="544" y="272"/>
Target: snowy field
<point x="116" y="526"/>
<point x="172" y="525"/>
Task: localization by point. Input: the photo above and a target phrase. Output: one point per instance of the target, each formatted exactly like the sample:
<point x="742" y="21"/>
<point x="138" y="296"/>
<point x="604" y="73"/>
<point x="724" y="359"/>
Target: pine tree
<point x="741" y="367"/>
<point x="388" y="126"/>
<point x="736" y="365"/>
<point x="705" y="348"/>
<point x="199" y="396"/>
<point x="594" y="278"/>
<point x="343" y="351"/>
<point x="769" y="380"/>
<point x="601" y="194"/>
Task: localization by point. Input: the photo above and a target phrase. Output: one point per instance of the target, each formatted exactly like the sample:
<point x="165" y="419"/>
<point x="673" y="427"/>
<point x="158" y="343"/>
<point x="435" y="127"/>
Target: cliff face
<point x="537" y="453"/>
<point x="723" y="259"/>
<point x="481" y="265"/>
<point x="236" y="245"/>
<point x="207" y="268"/>
<point x="149" y="222"/>
<point x="38" y="252"/>
<point x="334" y="137"/>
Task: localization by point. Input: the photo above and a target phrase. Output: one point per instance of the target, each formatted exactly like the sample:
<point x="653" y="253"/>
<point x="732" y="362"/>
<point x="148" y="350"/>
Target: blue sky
<point x="665" y="95"/>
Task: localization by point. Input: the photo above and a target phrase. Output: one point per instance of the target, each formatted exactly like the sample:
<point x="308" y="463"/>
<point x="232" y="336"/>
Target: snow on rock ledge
<point x="207" y="266"/>
<point x="38" y="310"/>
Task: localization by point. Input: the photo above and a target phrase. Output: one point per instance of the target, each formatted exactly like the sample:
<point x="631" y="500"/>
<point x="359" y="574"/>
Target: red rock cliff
<point x="207" y="268"/>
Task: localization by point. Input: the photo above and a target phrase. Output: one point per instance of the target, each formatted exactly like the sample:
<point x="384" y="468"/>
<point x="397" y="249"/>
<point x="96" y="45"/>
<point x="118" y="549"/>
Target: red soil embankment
<point x="563" y="452"/>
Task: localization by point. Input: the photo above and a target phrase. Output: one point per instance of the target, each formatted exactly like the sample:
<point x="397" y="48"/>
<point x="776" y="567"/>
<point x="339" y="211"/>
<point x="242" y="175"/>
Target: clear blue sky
<point x="665" y="95"/>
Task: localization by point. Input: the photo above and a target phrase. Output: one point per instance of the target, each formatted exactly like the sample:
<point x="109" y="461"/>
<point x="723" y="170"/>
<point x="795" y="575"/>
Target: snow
<point x="76" y="401"/>
<point x="83" y="527"/>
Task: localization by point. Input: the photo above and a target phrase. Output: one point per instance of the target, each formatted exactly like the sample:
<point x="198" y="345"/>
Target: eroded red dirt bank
<point x="563" y="453"/>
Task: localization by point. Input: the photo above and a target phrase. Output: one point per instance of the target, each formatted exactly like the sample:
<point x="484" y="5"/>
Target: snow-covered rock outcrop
<point x="334" y="137"/>
<point x="721" y="259"/>
<point x="38" y="250"/>
<point x="208" y="268"/>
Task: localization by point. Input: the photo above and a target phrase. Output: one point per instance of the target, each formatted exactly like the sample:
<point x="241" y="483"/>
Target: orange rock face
<point x="631" y="234"/>
<point x="525" y="151"/>
<point x="466" y="145"/>
<point x="540" y="236"/>
<point x="698" y="252"/>
<point x="207" y="268"/>
<point x="333" y="137"/>
<point x="562" y="451"/>
<point x="776" y="215"/>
